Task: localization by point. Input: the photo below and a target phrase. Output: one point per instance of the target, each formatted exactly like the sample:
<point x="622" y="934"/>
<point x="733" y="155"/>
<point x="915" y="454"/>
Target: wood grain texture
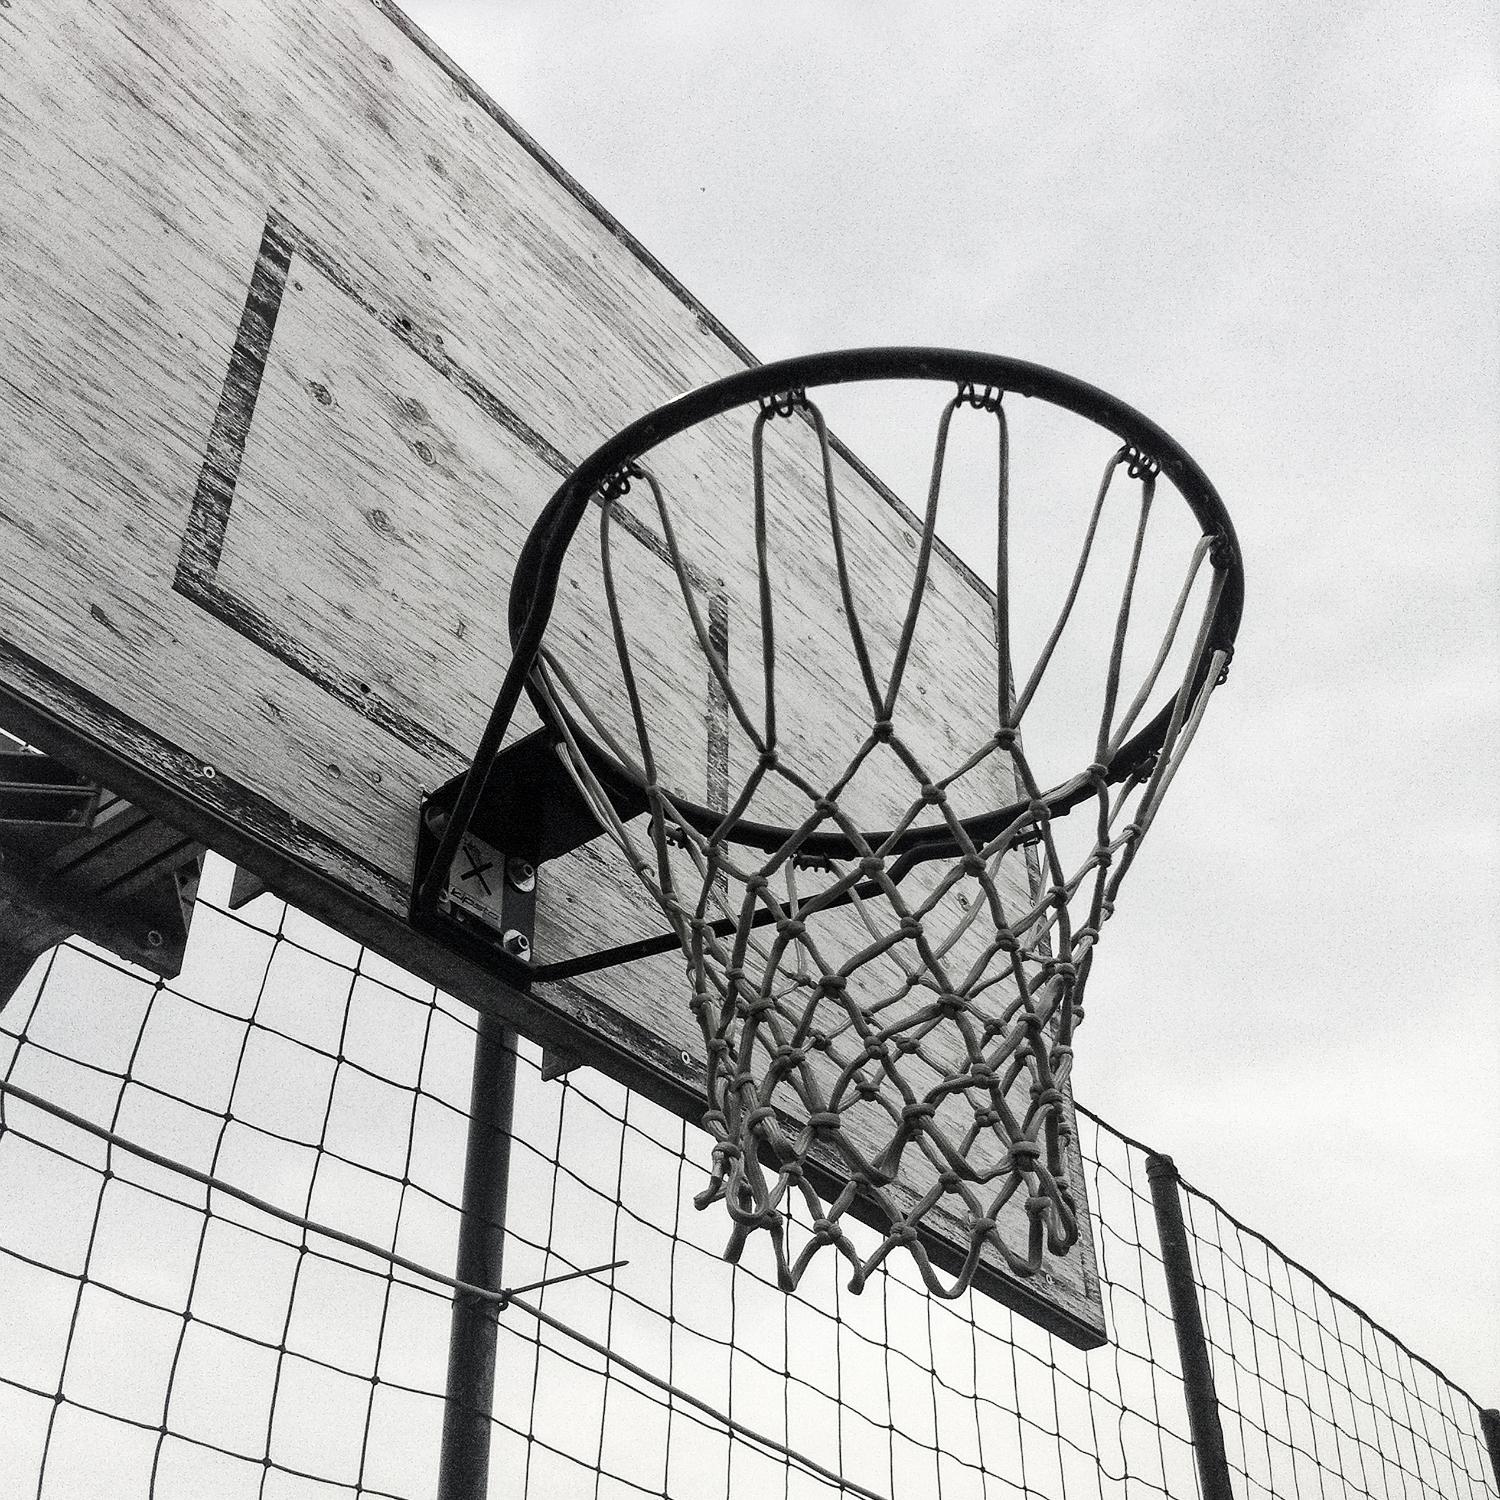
<point x="300" y="332"/>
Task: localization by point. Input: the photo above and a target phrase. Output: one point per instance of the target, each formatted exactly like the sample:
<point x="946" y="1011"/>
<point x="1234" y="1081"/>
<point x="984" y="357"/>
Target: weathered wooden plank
<point x="300" y="332"/>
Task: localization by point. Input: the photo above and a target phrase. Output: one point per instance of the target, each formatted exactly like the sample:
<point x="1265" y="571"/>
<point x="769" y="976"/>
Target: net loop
<point x="617" y="485"/>
<point x="983" y="398"/>
<point x="783" y="403"/>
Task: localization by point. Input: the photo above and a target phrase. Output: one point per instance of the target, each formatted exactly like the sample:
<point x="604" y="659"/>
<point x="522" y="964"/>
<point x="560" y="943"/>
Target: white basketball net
<point x="900" y="1034"/>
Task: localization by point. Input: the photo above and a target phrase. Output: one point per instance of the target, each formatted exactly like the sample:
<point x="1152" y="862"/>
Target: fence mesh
<point x="163" y="1336"/>
<point x="1317" y="1398"/>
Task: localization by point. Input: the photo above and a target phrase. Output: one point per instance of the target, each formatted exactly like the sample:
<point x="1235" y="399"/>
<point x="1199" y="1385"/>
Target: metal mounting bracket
<point x="531" y="812"/>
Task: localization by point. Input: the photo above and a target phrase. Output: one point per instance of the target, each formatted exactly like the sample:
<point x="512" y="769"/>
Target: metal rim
<point x="539" y="566"/>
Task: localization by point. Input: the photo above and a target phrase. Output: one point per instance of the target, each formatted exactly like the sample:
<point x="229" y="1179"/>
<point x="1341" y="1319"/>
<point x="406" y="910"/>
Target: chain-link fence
<point x="229" y="1206"/>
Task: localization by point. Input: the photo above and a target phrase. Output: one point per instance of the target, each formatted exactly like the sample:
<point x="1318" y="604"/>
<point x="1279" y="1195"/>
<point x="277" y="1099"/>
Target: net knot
<point x="787" y="1056"/>
<point x="1047" y="1098"/>
<point x="791" y="927"/>
<point x="903" y="1234"/>
<point x="1040" y="814"/>
<point x="1060" y="969"/>
<point x="1098" y="773"/>
<point x="867" y="1091"/>
<point x="1005" y="739"/>
<point x="1024" y="1155"/>
<point x="824" y="1122"/>
<point x="882" y="730"/>
<point x="910" y="927"/>
<point x="825" y="1231"/>
<point x="972" y="864"/>
<point x="934" y="796"/>
<point x="768" y="760"/>
<point x="871" y="865"/>
<point x="832" y="984"/>
<point x="914" y="1114"/>
<point x="761" y="1005"/>
<point x="951" y="1005"/>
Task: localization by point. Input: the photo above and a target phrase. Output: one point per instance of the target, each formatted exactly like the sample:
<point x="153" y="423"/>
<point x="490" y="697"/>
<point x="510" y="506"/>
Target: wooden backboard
<point x="299" y="333"/>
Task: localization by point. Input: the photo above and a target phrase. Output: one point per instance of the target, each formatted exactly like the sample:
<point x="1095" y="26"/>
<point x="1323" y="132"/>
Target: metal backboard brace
<point x="77" y="860"/>
<point x="531" y="812"/>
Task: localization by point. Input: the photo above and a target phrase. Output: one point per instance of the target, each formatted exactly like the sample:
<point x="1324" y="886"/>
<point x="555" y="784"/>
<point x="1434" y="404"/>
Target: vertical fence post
<point x="463" y="1468"/>
<point x="1489" y="1420"/>
<point x="1187" y="1320"/>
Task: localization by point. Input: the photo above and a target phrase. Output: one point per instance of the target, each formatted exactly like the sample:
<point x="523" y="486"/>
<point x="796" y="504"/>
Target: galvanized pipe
<point x="463" y="1468"/>
<point x="1187" y="1322"/>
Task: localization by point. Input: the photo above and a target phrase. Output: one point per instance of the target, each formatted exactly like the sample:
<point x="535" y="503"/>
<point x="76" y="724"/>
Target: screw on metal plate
<point x="521" y="874"/>
<point x="687" y="1058"/>
<point x="517" y="944"/>
<point x="154" y="939"/>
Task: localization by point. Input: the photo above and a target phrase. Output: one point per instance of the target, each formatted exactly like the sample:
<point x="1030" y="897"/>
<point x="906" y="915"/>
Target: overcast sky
<point x="1272" y="228"/>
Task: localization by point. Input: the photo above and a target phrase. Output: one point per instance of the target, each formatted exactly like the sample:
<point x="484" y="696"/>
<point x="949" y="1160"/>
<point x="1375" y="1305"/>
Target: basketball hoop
<point x="893" y="1002"/>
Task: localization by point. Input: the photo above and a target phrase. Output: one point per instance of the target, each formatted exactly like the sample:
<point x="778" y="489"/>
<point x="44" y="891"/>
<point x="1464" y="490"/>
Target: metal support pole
<point x="1489" y="1420"/>
<point x="1187" y="1320"/>
<point x="463" y="1469"/>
